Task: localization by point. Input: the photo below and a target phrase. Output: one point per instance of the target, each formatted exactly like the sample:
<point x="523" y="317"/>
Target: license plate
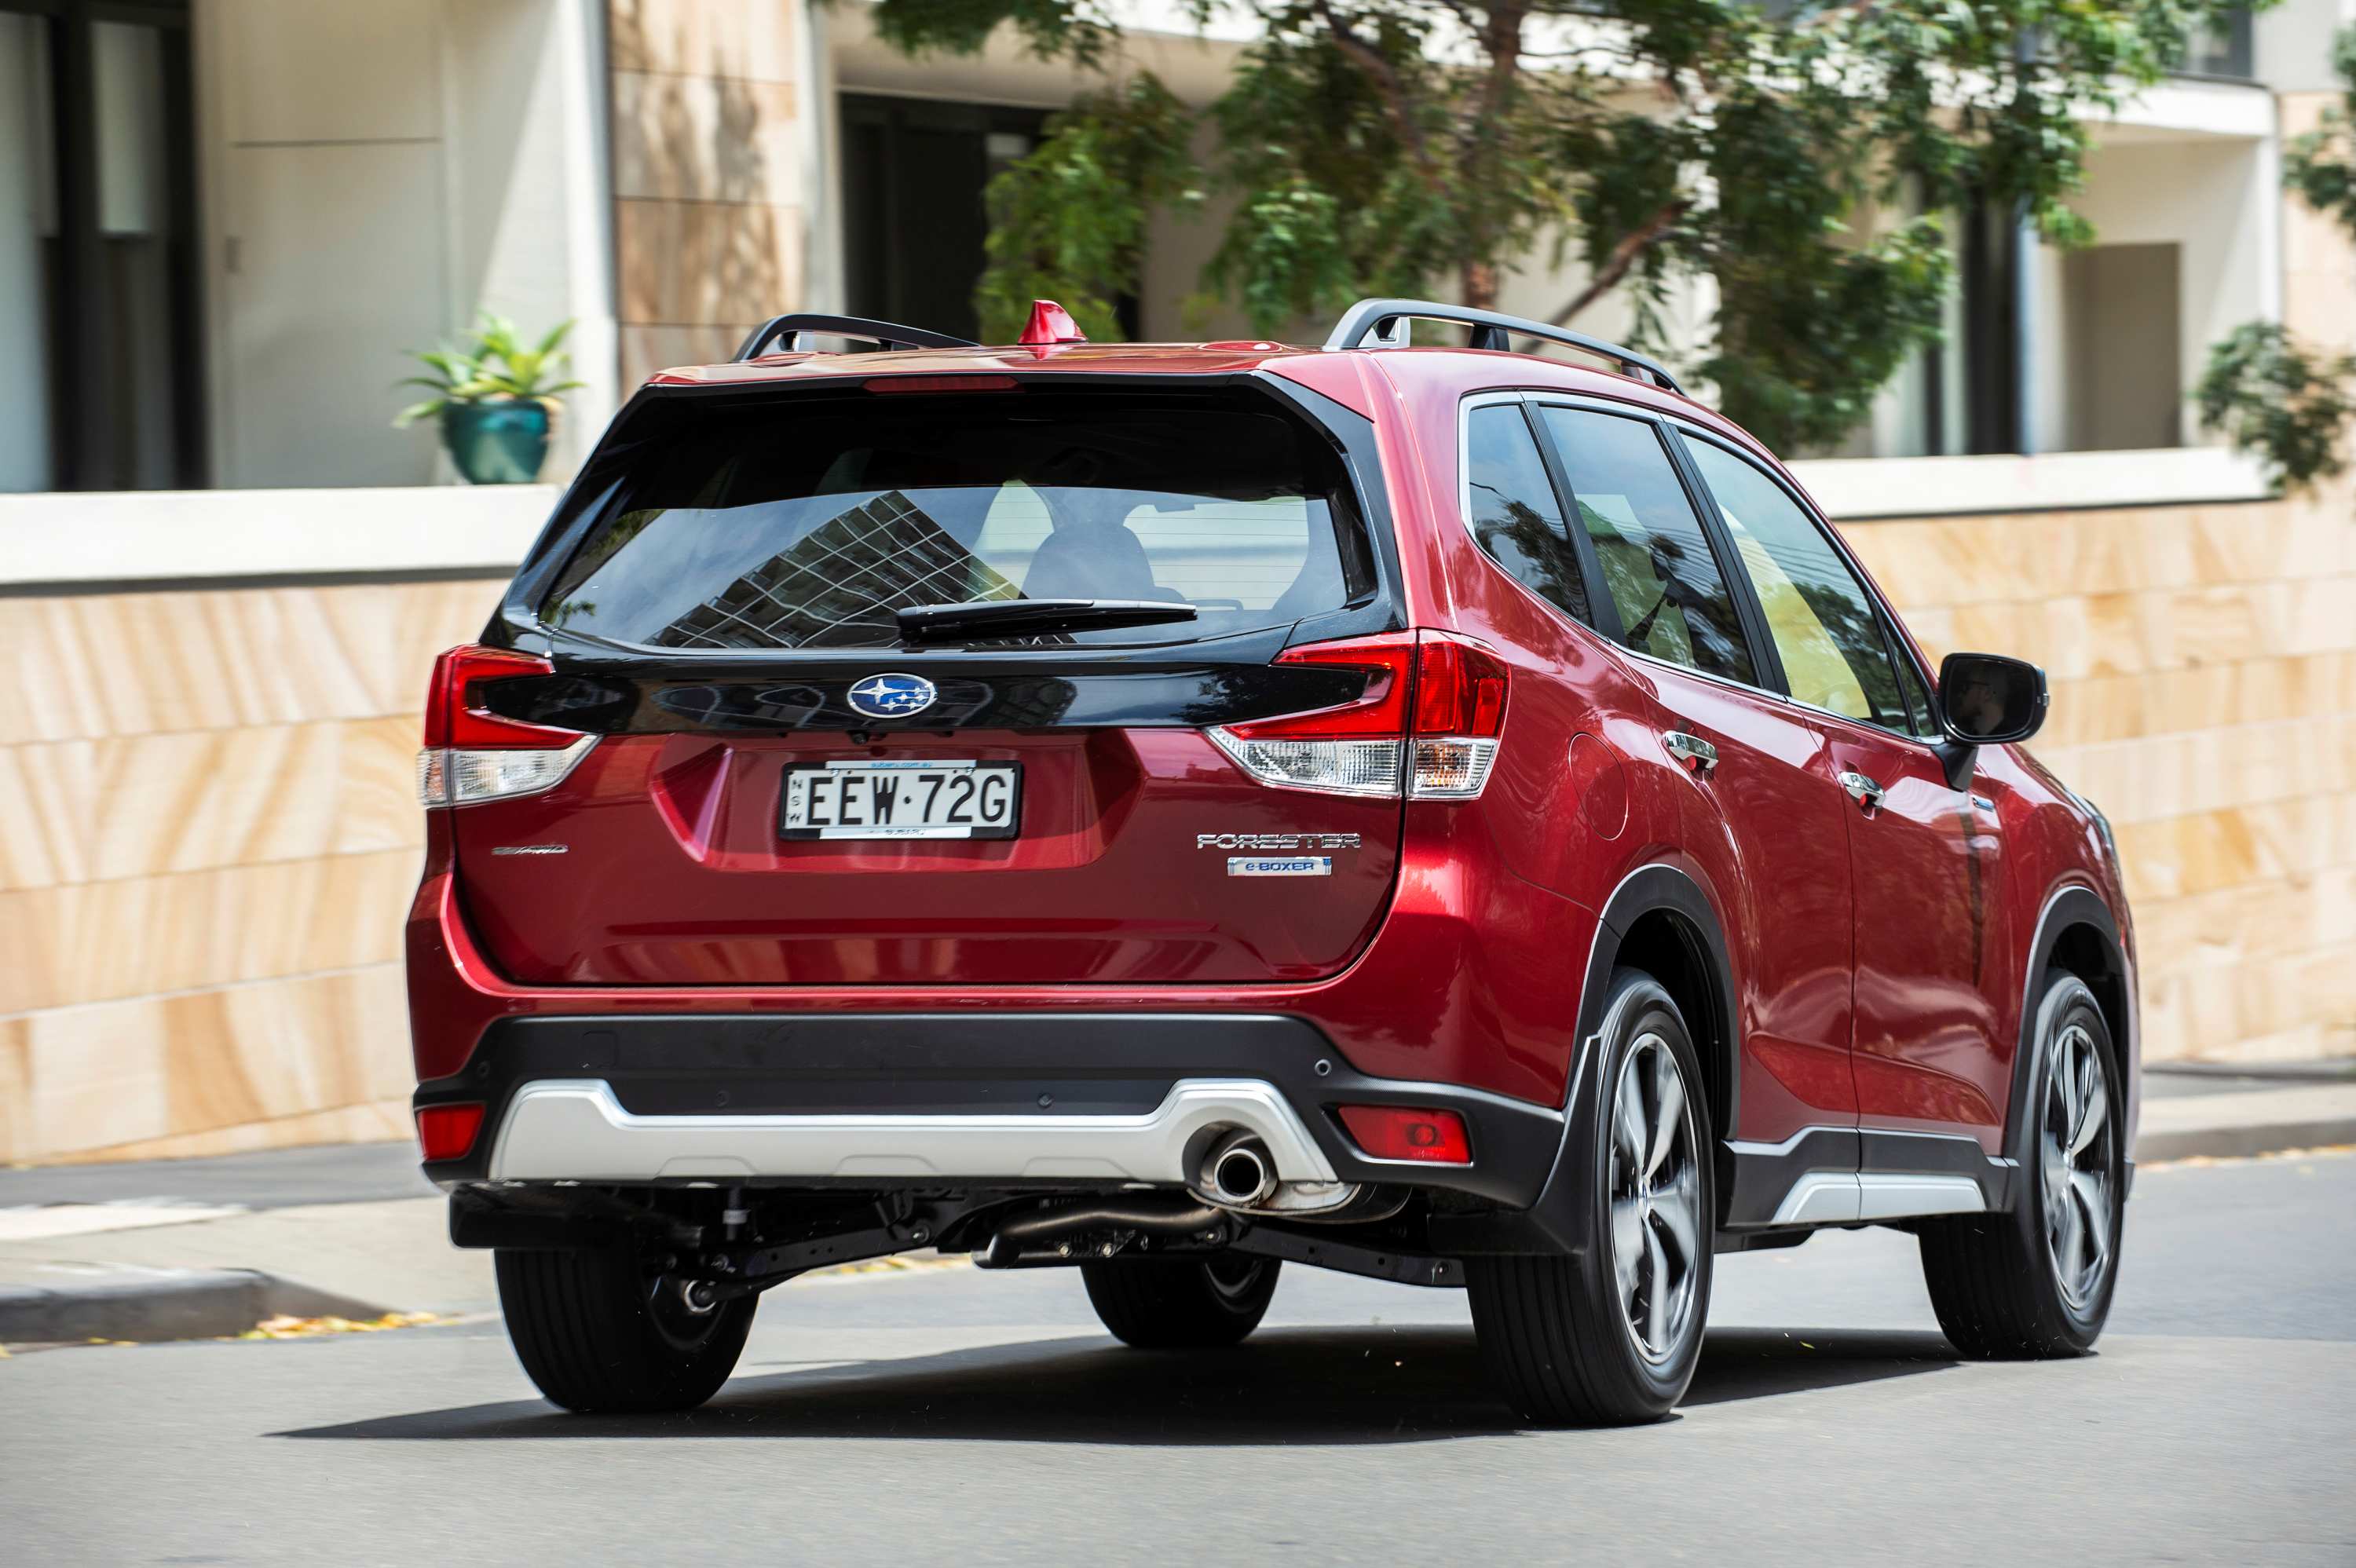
<point x="901" y="800"/>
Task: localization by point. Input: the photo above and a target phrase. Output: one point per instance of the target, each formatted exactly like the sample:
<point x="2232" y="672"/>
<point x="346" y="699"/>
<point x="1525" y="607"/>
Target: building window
<point x="914" y="219"/>
<point x="2225" y="51"/>
<point x="98" y="263"/>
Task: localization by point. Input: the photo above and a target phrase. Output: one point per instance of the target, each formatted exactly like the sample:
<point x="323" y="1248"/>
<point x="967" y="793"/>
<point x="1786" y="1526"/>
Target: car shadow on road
<point x="1300" y="1385"/>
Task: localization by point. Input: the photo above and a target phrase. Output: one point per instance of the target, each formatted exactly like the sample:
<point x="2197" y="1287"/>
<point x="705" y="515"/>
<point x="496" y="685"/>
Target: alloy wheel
<point x="2077" y="1139"/>
<point x="1654" y="1188"/>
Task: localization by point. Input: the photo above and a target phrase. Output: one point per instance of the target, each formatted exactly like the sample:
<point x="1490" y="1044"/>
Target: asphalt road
<point x="948" y="1416"/>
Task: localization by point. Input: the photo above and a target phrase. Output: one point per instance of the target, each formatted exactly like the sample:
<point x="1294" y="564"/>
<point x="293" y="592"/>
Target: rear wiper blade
<point x="1000" y="617"/>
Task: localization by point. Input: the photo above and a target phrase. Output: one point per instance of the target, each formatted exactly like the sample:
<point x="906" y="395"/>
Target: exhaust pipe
<point x="1238" y="1172"/>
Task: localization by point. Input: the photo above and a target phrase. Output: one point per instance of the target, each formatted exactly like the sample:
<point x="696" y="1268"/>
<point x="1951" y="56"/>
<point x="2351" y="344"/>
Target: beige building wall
<point x="209" y="836"/>
<point x="709" y="149"/>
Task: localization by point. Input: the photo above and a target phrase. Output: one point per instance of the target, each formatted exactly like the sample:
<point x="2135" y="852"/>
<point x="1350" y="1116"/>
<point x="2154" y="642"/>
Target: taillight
<point x="1460" y="714"/>
<point x="471" y="753"/>
<point x="1433" y="707"/>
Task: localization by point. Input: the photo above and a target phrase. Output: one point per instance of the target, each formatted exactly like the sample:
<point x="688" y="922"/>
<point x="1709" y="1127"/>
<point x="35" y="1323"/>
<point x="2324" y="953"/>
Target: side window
<point x="1658" y="564"/>
<point x="1824" y="623"/>
<point x="1514" y="514"/>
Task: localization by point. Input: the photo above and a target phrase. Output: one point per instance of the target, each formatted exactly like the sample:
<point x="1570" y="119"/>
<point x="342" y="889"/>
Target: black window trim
<point x="1762" y="649"/>
<point x="1606" y="615"/>
<point x="1893" y="646"/>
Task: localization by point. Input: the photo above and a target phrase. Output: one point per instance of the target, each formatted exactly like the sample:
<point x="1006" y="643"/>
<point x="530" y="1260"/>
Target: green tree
<point x="2290" y="402"/>
<point x="1402" y="145"/>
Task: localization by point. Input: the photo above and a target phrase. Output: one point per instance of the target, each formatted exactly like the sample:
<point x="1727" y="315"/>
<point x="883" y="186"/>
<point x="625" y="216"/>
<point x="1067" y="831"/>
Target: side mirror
<point x="1987" y="699"/>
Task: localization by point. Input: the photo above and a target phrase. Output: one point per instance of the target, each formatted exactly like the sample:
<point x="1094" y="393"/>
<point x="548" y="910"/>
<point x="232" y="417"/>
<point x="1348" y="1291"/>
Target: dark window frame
<point x="1605" y="615"/>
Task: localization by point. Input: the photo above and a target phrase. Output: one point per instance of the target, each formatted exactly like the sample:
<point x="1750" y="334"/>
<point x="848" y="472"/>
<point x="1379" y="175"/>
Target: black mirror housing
<point x="1988" y="700"/>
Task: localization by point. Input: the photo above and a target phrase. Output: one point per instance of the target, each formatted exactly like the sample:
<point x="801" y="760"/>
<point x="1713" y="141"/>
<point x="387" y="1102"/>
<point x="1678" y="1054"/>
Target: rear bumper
<point x="898" y="1099"/>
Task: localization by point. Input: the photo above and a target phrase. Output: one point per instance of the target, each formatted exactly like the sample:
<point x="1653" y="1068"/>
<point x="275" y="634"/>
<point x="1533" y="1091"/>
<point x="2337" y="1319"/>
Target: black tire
<point x="1177" y="1304"/>
<point x="1560" y="1335"/>
<point x="598" y="1333"/>
<point x="1998" y="1281"/>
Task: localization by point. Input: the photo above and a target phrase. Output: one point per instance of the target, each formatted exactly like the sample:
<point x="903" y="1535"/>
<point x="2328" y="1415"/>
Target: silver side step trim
<point x="575" y="1130"/>
<point x="1838" y="1197"/>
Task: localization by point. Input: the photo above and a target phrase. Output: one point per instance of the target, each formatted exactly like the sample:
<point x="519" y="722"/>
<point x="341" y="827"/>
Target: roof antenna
<point x="1050" y="323"/>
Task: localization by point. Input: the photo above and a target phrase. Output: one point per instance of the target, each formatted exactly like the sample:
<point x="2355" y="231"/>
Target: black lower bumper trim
<point x="1044" y="1065"/>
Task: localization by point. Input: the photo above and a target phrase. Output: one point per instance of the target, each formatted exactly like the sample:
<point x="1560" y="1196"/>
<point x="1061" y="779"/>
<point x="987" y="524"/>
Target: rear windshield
<point x="788" y="524"/>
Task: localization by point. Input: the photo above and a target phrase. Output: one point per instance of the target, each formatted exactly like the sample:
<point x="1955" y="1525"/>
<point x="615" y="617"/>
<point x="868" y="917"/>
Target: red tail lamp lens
<point x="447" y="1132"/>
<point x="1408" y="1132"/>
<point x="1378" y="712"/>
<point x="1459" y="689"/>
<point x="454" y="713"/>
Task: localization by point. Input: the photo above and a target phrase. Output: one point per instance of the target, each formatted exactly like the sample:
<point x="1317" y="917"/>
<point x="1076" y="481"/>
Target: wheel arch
<point x="2076" y="934"/>
<point x="1659" y="920"/>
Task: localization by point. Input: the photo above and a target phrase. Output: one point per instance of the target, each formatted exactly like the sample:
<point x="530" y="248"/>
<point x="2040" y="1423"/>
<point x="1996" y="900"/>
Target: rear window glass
<point x="807" y="526"/>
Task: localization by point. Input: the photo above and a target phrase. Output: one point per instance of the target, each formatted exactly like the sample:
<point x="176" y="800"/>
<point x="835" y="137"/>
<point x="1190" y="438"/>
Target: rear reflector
<point x="447" y="1132"/>
<point x="1408" y="1132"/>
<point x="1446" y="741"/>
<point x="471" y="753"/>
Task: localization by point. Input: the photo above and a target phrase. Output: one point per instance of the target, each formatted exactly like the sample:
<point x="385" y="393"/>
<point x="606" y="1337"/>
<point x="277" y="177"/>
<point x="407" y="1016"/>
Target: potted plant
<point x="496" y="400"/>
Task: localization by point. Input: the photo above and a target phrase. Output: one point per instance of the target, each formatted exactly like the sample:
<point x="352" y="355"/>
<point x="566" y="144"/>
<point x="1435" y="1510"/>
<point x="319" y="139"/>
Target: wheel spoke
<point x="1628" y="1122"/>
<point x="2071" y="1244"/>
<point x="1656" y="1293"/>
<point x="1627" y="1246"/>
<point x="1674" y="1208"/>
<point x="2094" y="1109"/>
<point x="2094" y="1208"/>
<point x="1669" y="1108"/>
<point x="2065" y="1079"/>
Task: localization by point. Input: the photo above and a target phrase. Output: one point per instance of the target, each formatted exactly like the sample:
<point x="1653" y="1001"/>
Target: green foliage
<point x="1415" y="146"/>
<point x="2276" y="398"/>
<point x="1068" y="222"/>
<point x="2321" y="165"/>
<point x="2271" y="395"/>
<point x="494" y="365"/>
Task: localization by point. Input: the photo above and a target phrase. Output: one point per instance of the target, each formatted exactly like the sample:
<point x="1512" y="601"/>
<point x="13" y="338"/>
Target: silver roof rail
<point x="1385" y="322"/>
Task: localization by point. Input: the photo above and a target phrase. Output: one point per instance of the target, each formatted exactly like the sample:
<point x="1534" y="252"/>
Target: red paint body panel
<point x="1877" y="962"/>
<point x="676" y="874"/>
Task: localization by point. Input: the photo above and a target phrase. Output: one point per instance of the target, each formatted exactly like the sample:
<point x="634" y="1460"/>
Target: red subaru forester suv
<point x="1440" y="814"/>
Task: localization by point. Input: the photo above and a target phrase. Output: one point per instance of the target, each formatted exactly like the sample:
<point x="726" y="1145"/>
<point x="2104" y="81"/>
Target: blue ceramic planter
<point x="502" y="442"/>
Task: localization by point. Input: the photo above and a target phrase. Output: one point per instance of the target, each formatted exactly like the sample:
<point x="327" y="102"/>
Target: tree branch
<point x="1369" y="60"/>
<point x="1632" y="245"/>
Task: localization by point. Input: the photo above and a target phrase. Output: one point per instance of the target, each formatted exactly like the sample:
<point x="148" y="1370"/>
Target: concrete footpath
<point x="198" y="1248"/>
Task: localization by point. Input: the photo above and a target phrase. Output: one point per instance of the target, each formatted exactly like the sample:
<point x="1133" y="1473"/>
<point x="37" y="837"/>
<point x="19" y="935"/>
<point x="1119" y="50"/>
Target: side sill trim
<point x="1838" y="1197"/>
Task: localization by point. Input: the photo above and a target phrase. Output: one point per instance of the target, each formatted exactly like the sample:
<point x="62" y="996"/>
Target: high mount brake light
<point x="1433" y="707"/>
<point x="471" y="753"/>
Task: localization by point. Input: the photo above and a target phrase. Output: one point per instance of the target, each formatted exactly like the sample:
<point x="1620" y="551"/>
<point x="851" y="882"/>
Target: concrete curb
<point x="147" y="1306"/>
<point x="2246" y="1121"/>
<point x="2242" y="1142"/>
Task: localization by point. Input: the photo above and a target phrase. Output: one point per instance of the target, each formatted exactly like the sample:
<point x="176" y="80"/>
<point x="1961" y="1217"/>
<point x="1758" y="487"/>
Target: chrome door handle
<point x="1692" y="751"/>
<point x="1862" y="790"/>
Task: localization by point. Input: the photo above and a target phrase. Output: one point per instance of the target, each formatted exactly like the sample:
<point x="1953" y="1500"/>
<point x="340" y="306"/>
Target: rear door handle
<point x="1693" y="752"/>
<point x="1862" y="790"/>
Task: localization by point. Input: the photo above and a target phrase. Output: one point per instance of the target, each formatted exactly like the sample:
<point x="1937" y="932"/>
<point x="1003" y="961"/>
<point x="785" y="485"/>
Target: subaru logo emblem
<point x="891" y="696"/>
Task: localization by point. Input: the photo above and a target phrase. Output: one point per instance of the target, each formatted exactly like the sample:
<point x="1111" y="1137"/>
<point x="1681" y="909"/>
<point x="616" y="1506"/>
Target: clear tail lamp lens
<point x="1427" y="719"/>
<point x="473" y="754"/>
